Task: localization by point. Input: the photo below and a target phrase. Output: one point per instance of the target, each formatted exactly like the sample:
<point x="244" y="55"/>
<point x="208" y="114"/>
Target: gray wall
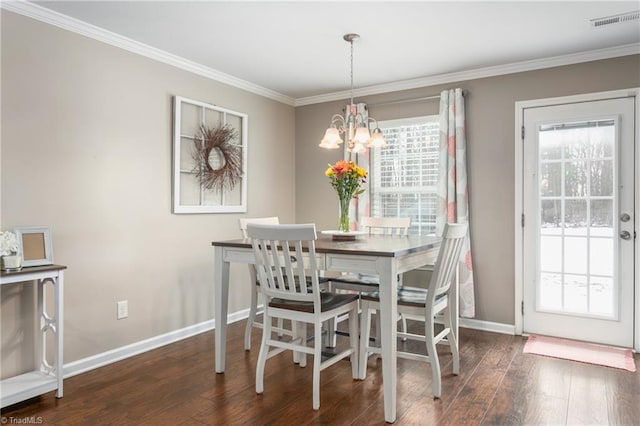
<point x="490" y="112"/>
<point x="86" y="150"/>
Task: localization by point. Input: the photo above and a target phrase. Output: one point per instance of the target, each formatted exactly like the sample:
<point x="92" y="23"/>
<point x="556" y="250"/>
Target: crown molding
<point x="555" y="61"/>
<point x="51" y="17"/>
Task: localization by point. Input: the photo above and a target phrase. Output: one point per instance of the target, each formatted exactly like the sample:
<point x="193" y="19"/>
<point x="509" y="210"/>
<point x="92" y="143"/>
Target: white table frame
<point x="46" y="377"/>
<point x="386" y="256"/>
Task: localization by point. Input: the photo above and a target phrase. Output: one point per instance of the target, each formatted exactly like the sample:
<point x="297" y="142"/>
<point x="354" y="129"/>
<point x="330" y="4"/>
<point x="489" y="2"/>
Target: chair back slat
<point x="282" y="264"/>
<point x="273" y="220"/>
<point x="301" y="273"/>
<point x="447" y="262"/>
<point x="386" y="225"/>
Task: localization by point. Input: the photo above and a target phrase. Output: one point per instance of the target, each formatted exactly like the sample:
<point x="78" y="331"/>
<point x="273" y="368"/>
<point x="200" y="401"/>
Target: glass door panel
<point x="576" y="161"/>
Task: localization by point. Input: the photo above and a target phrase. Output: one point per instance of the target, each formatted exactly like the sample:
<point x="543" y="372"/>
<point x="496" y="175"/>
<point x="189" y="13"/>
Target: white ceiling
<point x="296" y="48"/>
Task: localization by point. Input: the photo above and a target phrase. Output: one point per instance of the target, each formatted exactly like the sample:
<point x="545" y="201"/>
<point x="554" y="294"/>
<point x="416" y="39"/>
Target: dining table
<point x="384" y="255"/>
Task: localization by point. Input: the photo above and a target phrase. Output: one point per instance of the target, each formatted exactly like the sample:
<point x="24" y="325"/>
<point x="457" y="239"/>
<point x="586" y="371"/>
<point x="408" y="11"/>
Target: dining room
<point x="91" y="152"/>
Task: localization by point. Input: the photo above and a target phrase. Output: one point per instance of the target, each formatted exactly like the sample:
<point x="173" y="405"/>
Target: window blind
<point x="404" y="175"/>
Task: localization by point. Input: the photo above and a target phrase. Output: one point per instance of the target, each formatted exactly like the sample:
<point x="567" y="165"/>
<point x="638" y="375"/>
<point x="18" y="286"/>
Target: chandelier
<point x="353" y="125"/>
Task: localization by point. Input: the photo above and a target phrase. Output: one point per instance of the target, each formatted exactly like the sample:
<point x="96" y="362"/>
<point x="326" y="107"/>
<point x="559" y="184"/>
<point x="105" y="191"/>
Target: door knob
<point x="624" y="217"/>
<point x="625" y="235"/>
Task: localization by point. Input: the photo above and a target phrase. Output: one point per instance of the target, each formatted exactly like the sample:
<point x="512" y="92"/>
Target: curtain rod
<point x="403" y="101"/>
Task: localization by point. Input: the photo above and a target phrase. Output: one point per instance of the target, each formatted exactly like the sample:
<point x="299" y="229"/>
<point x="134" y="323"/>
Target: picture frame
<point x="34" y="245"/>
<point x="207" y="183"/>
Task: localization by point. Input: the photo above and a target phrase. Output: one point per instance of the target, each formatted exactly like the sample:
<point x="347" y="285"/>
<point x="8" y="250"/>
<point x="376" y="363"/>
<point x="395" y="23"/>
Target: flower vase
<point x="344" y="222"/>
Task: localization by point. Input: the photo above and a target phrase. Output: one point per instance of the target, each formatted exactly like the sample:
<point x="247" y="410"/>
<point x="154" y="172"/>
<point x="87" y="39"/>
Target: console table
<point x="46" y="377"/>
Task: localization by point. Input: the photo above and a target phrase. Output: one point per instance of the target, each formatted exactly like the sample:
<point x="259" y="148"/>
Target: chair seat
<point x="408" y="296"/>
<point x="328" y="301"/>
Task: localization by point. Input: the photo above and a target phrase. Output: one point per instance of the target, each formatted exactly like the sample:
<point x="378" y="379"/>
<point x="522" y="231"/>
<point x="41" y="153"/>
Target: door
<point x="578" y="204"/>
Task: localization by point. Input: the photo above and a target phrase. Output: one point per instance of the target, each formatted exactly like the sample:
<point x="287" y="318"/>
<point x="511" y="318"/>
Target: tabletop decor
<point x="35" y="245"/>
<point x="9" y="250"/>
<point x="347" y="178"/>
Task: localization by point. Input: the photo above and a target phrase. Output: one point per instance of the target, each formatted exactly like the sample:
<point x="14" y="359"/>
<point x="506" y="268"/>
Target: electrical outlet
<point x="123" y="309"/>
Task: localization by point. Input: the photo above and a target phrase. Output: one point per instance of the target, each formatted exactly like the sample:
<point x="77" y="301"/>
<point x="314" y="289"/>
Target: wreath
<point x="218" y="139"/>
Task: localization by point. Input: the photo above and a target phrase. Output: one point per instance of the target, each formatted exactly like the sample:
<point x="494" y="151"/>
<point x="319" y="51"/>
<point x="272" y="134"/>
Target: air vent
<point x="616" y="19"/>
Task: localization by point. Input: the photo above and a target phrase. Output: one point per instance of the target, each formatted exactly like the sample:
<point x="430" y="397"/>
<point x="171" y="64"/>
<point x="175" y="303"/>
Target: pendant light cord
<point x="351" y="74"/>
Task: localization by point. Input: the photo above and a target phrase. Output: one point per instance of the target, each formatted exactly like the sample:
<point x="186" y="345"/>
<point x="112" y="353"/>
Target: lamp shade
<point x="358" y="148"/>
<point x="362" y="136"/>
<point x="331" y="139"/>
<point x="377" y="139"/>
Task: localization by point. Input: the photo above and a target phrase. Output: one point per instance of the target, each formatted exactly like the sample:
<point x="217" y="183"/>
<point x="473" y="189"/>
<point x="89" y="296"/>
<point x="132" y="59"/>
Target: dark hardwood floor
<point x="498" y="384"/>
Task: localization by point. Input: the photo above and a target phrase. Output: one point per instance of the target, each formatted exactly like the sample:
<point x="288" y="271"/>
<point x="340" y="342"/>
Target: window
<point x="404" y="175"/>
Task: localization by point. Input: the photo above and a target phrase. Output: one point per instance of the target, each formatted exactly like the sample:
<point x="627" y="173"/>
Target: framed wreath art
<point x="209" y="158"/>
<point x="228" y="162"/>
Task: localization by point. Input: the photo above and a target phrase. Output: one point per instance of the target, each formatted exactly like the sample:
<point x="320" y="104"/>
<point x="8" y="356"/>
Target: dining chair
<point x="255" y="285"/>
<point x="423" y="303"/>
<point x="284" y="269"/>
<point x="395" y="226"/>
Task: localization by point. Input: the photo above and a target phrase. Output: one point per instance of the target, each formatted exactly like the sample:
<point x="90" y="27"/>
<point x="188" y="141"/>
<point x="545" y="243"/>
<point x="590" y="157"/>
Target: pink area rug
<point x="580" y="351"/>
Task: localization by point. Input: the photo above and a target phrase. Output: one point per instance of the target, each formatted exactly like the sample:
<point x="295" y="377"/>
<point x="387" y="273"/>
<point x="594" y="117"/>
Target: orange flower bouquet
<point x="348" y="179"/>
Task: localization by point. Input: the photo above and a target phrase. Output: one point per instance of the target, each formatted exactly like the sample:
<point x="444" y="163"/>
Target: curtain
<point x="453" y="192"/>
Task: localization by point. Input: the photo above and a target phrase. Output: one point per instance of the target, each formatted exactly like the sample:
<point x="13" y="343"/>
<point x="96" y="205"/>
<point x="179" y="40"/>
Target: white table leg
<point x="59" y="313"/>
<point x="221" y="305"/>
<point x="388" y="318"/>
<point x="41" y="361"/>
<point x="455" y="311"/>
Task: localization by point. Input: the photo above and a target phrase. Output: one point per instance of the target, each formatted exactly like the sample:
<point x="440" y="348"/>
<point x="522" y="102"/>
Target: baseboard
<point x="495" y="327"/>
<point x="475" y="324"/>
<point x="100" y="360"/>
<point x="105" y="358"/>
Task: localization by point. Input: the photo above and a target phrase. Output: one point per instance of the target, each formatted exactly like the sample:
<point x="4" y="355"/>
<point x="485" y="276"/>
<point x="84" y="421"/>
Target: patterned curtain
<point x="359" y="206"/>
<point x="453" y="192"/>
